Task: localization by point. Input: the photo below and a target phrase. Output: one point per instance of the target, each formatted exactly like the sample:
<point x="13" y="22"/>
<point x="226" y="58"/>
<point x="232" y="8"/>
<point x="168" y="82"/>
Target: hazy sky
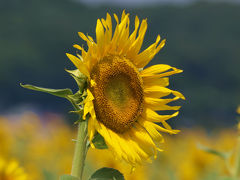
<point x="144" y="2"/>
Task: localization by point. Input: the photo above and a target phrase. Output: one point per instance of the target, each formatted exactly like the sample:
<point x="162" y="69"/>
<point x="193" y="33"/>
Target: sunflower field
<point x="41" y="147"/>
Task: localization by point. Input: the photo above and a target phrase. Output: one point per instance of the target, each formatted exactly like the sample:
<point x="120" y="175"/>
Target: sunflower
<point x="11" y="171"/>
<point x="238" y="109"/>
<point x="122" y="96"/>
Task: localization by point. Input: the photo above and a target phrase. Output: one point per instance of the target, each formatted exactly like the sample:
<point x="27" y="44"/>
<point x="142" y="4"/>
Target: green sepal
<point x="223" y="155"/>
<point x="107" y="174"/>
<point x="77" y="98"/>
<point x="68" y="177"/>
<point x="79" y="77"/>
<point x="64" y="93"/>
<point x="80" y="112"/>
<point x="99" y="142"/>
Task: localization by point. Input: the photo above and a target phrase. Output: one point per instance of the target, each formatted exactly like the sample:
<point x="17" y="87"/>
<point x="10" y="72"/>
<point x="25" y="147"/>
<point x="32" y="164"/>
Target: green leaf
<point x="99" y="142"/>
<point x="79" y="77"/>
<point x="68" y="177"/>
<point x="223" y="155"/>
<point x="107" y="174"/>
<point x="56" y="92"/>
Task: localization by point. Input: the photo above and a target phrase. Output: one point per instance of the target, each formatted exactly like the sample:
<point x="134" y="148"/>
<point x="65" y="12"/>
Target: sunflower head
<point x="122" y="95"/>
<point x="118" y="93"/>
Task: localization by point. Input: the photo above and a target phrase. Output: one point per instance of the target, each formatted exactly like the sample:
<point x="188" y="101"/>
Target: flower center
<point x="118" y="93"/>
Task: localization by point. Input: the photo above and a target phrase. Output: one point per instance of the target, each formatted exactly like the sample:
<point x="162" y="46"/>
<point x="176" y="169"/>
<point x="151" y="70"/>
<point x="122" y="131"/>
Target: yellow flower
<point x="238" y="110"/>
<point x="11" y="171"/>
<point x="101" y="158"/>
<point x="122" y="97"/>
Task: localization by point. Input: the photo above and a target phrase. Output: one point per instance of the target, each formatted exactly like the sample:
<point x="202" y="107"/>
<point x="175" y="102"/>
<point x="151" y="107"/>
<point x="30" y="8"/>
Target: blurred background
<point x="203" y="39"/>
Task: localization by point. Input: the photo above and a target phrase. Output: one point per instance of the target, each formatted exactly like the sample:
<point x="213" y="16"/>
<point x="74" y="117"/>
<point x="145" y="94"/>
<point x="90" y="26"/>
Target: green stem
<point x="80" y="150"/>
<point x="80" y="146"/>
<point x="237" y="159"/>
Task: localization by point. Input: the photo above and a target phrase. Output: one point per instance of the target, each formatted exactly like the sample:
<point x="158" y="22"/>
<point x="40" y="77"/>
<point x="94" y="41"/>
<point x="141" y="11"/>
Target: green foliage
<point x="79" y="77"/>
<point x="99" y="142"/>
<point x="64" y="93"/>
<point x="107" y="174"/>
<point x="223" y="155"/>
<point x="233" y="169"/>
<point x="68" y="177"/>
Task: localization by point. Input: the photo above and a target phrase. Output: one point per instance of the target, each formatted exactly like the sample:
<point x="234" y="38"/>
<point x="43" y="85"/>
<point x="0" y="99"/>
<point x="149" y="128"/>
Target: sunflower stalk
<point x="80" y="150"/>
<point x="81" y="146"/>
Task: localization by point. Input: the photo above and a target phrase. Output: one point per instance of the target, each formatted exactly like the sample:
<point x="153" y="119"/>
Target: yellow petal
<point x="124" y="35"/>
<point x="89" y="41"/>
<point x="109" y="25"/>
<point x="152" y="116"/>
<point x="116" y="18"/>
<point x="155" y="69"/>
<point x="131" y="149"/>
<point x="112" y="144"/>
<point x="123" y="15"/>
<point x="168" y="73"/>
<point x="137" y="44"/>
<point x="160" y="46"/>
<point x="91" y="128"/>
<point x="77" y="47"/>
<point x="151" y="130"/>
<point x="133" y="35"/>
<point x="144" y="139"/>
<point x="88" y="104"/>
<point x="159" y="128"/>
<point x="159" y="91"/>
<point x="79" y="64"/>
<point x="155" y="81"/>
<point x="178" y="94"/>
<point x="100" y="35"/>
<point x="147" y="55"/>
<point x="160" y="104"/>
<point x="138" y="153"/>
<point x="81" y="49"/>
<point x="166" y="125"/>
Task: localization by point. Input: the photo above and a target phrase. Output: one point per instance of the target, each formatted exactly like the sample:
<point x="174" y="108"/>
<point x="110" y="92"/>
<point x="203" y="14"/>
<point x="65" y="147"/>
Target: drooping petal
<point x="159" y="128"/>
<point x="88" y="104"/>
<point x="151" y="130"/>
<point x="160" y="104"/>
<point x="152" y="116"/>
<point x="159" y="91"/>
<point x="91" y="130"/>
<point x="144" y="139"/>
